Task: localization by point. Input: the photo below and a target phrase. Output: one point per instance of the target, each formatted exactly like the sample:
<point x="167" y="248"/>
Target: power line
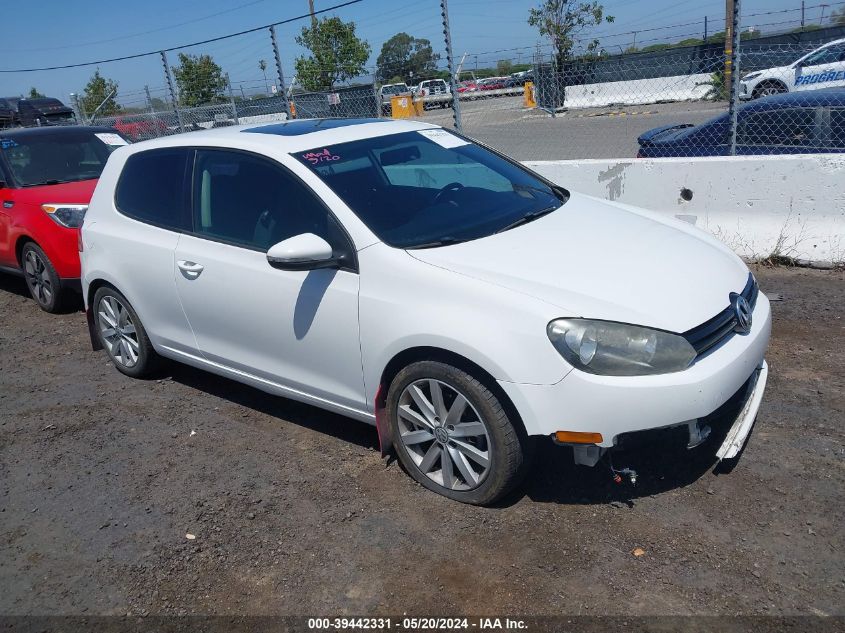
<point x="174" y="48"/>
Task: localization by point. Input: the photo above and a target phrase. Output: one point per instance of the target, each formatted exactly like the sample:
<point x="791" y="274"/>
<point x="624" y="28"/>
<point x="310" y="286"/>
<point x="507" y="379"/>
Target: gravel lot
<point x="294" y="511"/>
<point x="609" y="132"/>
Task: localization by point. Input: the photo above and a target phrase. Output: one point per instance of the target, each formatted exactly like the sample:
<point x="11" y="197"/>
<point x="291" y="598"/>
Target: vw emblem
<point x="742" y="311"/>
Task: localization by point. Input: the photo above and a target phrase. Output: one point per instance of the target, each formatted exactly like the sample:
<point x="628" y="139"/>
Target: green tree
<point x="562" y="21"/>
<point x="100" y="93"/>
<point x="34" y="94"/>
<point x="337" y="54"/>
<point x="407" y="57"/>
<point x="200" y="80"/>
<point x="504" y="67"/>
<point x="838" y="16"/>
<point x="693" y="41"/>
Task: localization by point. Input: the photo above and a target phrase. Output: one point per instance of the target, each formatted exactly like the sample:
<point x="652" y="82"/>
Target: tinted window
<point x="837" y="128"/>
<point x="783" y="127"/>
<point x="53" y="158"/>
<point x="829" y="55"/>
<point x="252" y="201"/>
<point x="427" y="188"/>
<point x="152" y="188"/>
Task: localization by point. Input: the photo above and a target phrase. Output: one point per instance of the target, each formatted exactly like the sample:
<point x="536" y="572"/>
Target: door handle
<point x="191" y="270"/>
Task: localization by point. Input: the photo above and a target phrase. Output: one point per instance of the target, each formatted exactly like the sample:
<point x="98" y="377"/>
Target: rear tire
<point x="452" y="434"/>
<point x="43" y="281"/>
<point x="123" y="335"/>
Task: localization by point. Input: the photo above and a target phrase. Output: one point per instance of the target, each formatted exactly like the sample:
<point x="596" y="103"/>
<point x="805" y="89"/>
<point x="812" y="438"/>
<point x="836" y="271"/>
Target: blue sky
<point x="54" y="32"/>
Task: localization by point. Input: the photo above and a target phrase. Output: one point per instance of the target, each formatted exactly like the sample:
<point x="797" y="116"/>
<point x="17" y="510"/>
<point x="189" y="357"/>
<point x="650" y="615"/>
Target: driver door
<point x="823" y="69"/>
<point x="296" y="329"/>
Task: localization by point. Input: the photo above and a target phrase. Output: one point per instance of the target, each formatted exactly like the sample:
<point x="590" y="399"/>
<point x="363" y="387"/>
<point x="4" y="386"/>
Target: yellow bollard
<point x="528" y="96"/>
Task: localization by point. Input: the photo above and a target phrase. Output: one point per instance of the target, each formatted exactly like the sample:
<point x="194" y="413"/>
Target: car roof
<point x="288" y="136"/>
<point x="52" y="130"/>
<point x="807" y="98"/>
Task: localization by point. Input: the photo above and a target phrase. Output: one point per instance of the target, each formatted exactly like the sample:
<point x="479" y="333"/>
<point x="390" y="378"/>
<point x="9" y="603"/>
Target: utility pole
<point x="729" y="38"/>
<point x="705" y="29"/>
<point x="803" y="13"/>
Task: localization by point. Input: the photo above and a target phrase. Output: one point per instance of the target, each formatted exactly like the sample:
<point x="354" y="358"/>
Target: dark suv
<point x="8" y="113"/>
<point x="44" y="111"/>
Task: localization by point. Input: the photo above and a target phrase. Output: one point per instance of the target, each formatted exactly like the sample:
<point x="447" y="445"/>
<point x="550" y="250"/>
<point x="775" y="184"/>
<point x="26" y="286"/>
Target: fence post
<point x="232" y="100"/>
<point x="172" y="91"/>
<point x="279" y="71"/>
<point x="453" y="84"/>
<point x="733" y="54"/>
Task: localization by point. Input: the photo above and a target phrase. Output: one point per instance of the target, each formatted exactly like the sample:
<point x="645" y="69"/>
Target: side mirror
<point x="302" y="252"/>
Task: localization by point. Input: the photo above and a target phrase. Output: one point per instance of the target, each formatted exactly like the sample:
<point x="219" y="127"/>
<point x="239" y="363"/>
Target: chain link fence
<point x="670" y="104"/>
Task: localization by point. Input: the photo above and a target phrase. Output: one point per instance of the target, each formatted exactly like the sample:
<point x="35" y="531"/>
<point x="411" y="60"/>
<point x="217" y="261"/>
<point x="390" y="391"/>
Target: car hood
<point x="79" y="192"/>
<point x="602" y="260"/>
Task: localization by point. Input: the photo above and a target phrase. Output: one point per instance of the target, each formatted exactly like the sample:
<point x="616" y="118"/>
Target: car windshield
<point x="431" y="187"/>
<point x="52" y="158"/>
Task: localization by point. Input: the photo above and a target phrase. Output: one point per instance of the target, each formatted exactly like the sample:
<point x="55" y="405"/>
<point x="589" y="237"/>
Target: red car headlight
<point x="67" y="215"/>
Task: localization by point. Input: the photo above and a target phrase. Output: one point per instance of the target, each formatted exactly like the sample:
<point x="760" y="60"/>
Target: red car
<point x="140" y="127"/>
<point x="47" y="177"/>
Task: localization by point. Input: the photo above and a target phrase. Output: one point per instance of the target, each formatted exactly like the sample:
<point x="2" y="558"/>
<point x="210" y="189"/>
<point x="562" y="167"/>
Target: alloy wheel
<point x="444" y="435"/>
<point x="38" y="278"/>
<point x="118" y="331"/>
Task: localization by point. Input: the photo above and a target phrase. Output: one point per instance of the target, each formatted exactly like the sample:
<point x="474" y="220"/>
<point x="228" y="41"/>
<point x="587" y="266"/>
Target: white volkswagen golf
<point x="402" y="275"/>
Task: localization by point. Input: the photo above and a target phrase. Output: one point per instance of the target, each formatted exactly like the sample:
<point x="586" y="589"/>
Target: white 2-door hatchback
<point x="405" y="276"/>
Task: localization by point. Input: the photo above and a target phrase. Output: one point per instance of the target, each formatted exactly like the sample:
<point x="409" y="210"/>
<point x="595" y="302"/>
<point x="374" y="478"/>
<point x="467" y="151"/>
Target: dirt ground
<point x="295" y="512"/>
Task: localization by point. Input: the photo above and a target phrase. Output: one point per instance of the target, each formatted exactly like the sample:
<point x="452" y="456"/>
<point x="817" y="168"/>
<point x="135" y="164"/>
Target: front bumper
<point x="613" y="405"/>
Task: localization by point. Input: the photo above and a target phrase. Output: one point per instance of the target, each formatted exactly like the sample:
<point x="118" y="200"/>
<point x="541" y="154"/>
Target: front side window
<point x="787" y="127"/>
<point x="152" y="188"/>
<point x="250" y="201"/>
<point x="431" y="187"/>
<point x="829" y="55"/>
<point x="48" y="159"/>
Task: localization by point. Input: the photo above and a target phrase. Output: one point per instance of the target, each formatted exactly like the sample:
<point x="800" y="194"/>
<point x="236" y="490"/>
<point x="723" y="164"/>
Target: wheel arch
<point x="438" y="354"/>
<point x="21" y="241"/>
<point x="768" y="82"/>
<point x="93" y="287"/>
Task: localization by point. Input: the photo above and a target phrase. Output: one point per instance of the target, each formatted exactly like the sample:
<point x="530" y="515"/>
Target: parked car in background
<point x="389" y="90"/>
<point x="823" y="68"/>
<point x="47" y="176"/>
<point x="402" y="275"/>
<point x="435" y="92"/>
<point x="8" y="113"/>
<point x="44" y="111"/>
<point x="492" y="83"/>
<point x="470" y="85"/>
<point x="140" y="127"/>
<point x="795" y="123"/>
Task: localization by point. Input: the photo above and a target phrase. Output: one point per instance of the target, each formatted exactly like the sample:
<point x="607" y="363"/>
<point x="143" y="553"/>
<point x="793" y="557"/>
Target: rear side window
<point x="152" y="188"/>
<point x="782" y="127"/>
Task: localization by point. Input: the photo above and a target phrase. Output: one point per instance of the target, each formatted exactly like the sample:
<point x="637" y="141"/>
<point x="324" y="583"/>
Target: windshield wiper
<point x="443" y="241"/>
<point x="52" y="181"/>
<point x="528" y="217"/>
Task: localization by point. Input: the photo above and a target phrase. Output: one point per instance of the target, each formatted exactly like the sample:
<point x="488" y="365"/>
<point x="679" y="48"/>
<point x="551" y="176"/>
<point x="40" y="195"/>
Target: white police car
<point x="823" y="68"/>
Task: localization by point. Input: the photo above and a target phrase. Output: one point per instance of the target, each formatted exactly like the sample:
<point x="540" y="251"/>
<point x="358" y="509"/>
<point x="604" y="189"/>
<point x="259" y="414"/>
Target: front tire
<point x="769" y="88"/>
<point x="452" y="434"/>
<point x="122" y="335"/>
<point x="43" y="281"/>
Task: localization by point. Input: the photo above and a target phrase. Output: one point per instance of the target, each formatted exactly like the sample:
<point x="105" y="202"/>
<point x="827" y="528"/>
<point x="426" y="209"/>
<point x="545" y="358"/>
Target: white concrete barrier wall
<point x="639" y="91"/>
<point x="789" y="206"/>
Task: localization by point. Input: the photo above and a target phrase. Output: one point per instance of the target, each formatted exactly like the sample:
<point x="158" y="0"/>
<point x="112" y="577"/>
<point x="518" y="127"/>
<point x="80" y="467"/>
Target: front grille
<point x="721" y="327"/>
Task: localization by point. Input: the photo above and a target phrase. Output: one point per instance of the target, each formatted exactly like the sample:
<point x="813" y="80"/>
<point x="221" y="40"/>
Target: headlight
<point x="617" y="349"/>
<point x="67" y="215"/>
<point x="751" y="76"/>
